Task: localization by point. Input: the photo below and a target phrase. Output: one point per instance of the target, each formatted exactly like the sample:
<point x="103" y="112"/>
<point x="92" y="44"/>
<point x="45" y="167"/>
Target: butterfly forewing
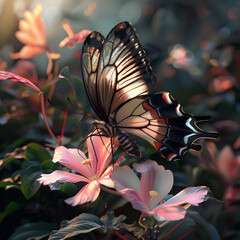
<point x="90" y="60"/>
<point x="123" y="69"/>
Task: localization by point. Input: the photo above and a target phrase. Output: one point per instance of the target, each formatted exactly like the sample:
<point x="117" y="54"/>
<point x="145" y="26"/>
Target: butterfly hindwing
<point x="160" y="120"/>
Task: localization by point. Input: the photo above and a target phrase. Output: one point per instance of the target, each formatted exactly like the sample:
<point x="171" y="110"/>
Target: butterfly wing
<point x="120" y="72"/>
<point x="160" y="119"/>
<point x="90" y="60"/>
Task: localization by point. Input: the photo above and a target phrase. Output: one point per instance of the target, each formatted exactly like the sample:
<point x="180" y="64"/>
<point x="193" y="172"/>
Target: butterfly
<point x="118" y="80"/>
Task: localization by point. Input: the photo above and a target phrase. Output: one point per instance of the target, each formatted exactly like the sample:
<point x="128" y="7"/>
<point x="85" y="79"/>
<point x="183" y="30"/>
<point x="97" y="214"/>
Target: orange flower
<point x="73" y="37"/>
<point x="33" y="34"/>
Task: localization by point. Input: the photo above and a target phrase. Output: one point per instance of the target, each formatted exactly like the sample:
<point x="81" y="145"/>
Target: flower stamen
<point x="87" y="161"/>
<point x="153" y="194"/>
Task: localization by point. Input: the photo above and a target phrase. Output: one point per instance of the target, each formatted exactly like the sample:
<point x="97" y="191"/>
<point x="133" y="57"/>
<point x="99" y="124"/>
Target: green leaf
<point x="77" y="85"/>
<point x="209" y="228"/>
<point x="30" y="185"/>
<point x="137" y="230"/>
<point x="11" y="208"/>
<point x="31" y="168"/>
<point x="6" y="161"/>
<point x="32" y="230"/>
<point x="110" y="221"/>
<point x="69" y="189"/>
<point x="36" y="152"/>
<point x="49" y="164"/>
<point x="83" y="223"/>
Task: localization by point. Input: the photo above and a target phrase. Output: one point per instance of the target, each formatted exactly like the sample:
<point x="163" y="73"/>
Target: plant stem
<point x="45" y="118"/>
<point x="110" y="191"/>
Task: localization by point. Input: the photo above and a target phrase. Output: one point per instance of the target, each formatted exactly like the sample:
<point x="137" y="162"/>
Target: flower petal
<point x="100" y="151"/>
<point x="79" y="37"/>
<point x="124" y="177"/>
<point x="133" y="197"/>
<point x="105" y="178"/>
<point x="72" y="158"/>
<point x="172" y="209"/>
<point x="154" y="177"/>
<point x="27" y="52"/>
<point x="89" y="192"/>
<point x="66" y="41"/>
<point x="190" y="195"/>
<point x="37" y="25"/>
<point x="169" y="213"/>
<point x="4" y="75"/>
<point x="68" y="29"/>
<point x="227" y="164"/>
<point x="61" y="177"/>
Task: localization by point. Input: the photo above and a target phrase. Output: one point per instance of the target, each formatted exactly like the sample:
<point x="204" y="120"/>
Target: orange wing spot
<point x="153" y="111"/>
<point x="161" y="121"/>
<point x="157" y="145"/>
<point x="147" y="106"/>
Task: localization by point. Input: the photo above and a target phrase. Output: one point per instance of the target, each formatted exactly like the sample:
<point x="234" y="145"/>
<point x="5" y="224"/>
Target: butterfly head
<point x="105" y="128"/>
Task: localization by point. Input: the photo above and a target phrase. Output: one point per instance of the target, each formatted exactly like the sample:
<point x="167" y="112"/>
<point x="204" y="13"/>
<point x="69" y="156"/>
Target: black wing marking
<point x="159" y="119"/>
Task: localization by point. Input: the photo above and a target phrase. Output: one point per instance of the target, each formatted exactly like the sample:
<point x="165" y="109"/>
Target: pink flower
<point x="73" y="37"/>
<point x="94" y="170"/>
<point x="224" y="164"/>
<point x="32" y="33"/>
<point x="147" y="195"/>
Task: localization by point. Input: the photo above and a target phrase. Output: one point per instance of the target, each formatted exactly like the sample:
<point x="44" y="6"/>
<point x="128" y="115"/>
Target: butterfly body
<point x="111" y="130"/>
<point x="118" y="80"/>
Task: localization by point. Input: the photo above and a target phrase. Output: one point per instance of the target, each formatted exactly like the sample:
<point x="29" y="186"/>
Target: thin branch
<point x="110" y="191"/>
<point x="45" y="118"/>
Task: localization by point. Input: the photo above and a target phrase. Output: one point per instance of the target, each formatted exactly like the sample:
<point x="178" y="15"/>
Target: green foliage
<point x="31" y="169"/>
<point x="35" y="231"/>
<point x="84" y="223"/>
<point x="11" y="208"/>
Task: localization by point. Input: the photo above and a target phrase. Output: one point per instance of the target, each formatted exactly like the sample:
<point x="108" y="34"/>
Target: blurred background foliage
<point x="194" y="49"/>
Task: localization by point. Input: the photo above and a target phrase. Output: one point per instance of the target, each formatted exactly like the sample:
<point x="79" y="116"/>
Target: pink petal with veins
<point x="154" y="177"/>
<point x="124" y="177"/>
<point x="73" y="158"/>
<point x="61" y="177"/>
<point x="89" y="192"/>
<point x="190" y="195"/>
<point x="168" y="213"/>
<point x="4" y="75"/>
<point x="100" y="152"/>
<point x="136" y="201"/>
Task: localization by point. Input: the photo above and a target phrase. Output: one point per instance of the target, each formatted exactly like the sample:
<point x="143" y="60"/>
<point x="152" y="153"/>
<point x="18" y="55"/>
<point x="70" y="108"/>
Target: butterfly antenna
<point x="66" y="110"/>
<point x="81" y="109"/>
<point x="112" y="142"/>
